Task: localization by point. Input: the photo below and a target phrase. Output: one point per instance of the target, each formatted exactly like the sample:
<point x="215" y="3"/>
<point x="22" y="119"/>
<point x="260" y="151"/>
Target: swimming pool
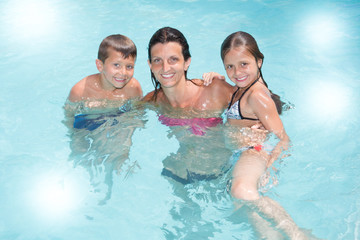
<point x="311" y="59"/>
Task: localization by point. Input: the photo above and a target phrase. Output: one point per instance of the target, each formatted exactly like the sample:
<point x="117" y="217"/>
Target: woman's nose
<point x="166" y="66"/>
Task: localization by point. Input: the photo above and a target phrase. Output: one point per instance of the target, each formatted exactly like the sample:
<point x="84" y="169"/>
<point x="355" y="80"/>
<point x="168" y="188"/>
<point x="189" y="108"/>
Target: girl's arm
<point x="265" y="109"/>
<point x="209" y="76"/>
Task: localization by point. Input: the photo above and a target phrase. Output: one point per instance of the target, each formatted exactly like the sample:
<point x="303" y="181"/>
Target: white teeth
<point x="241" y="79"/>
<point x="167" y="75"/>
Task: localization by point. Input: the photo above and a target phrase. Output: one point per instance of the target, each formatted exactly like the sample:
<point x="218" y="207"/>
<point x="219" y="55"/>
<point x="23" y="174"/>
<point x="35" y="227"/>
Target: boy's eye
<point x="116" y="64"/>
<point x="130" y="67"/>
<point x="229" y="67"/>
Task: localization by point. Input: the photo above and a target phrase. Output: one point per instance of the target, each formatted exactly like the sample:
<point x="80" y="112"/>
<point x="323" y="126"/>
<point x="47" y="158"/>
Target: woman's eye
<point x="156" y="60"/>
<point x="173" y="60"/>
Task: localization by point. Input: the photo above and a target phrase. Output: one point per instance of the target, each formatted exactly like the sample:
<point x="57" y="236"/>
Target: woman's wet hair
<point x="119" y="43"/>
<point x="165" y="35"/>
<point x="248" y="42"/>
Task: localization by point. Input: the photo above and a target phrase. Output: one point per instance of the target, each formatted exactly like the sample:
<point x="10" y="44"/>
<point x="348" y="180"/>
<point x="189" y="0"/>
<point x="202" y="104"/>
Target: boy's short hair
<point x="119" y="43"/>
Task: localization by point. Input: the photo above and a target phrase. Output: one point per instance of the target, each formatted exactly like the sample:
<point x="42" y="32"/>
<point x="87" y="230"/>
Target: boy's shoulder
<point x="79" y="90"/>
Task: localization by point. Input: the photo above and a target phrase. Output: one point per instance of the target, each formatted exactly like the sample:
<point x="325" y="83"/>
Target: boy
<point x="116" y="61"/>
<point x="114" y="82"/>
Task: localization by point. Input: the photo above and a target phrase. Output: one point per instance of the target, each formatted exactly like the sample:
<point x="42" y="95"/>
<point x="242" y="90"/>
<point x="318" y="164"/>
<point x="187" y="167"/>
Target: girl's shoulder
<point x="259" y="95"/>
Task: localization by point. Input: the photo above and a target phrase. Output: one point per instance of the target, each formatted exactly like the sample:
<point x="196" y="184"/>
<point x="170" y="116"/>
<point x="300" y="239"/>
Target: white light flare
<point x="323" y="31"/>
<point x="30" y="19"/>
<point x="328" y="101"/>
<point x="54" y="197"/>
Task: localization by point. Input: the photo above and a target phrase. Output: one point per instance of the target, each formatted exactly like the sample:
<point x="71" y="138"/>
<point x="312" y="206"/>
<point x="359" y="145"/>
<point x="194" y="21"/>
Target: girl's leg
<point x="246" y="174"/>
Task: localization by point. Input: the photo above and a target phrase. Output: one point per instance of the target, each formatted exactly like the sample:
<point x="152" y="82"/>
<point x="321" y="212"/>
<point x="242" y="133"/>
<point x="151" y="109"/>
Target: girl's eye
<point x="116" y="64"/>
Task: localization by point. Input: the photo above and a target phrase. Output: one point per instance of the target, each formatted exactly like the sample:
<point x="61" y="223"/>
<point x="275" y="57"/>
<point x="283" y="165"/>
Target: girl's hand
<point x="208" y="77"/>
<point x="281" y="147"/>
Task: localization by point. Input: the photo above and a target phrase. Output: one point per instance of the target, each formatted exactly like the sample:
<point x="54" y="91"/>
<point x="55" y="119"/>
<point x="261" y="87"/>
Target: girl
<point x="251" y="103"/>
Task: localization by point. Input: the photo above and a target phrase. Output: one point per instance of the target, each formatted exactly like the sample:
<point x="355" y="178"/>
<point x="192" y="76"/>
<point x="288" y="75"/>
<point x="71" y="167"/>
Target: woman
<point x="184" y="102"/>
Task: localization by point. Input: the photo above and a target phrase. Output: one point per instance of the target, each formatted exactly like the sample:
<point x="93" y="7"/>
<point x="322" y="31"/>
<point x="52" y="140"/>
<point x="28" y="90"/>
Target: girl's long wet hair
<point x="165" y="35"/>
<point x="245" y="40"/>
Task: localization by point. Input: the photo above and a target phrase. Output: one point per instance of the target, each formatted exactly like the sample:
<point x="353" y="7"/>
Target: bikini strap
<point x="232" y="98"/>
<point x="242" y="117"/>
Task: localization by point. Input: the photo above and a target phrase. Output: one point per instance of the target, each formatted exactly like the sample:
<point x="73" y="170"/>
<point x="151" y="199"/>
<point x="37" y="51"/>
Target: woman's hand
<point x="208" y="77"/>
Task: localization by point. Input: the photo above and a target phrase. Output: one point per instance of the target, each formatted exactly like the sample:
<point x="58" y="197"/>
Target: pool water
<point x="58" y="185"/>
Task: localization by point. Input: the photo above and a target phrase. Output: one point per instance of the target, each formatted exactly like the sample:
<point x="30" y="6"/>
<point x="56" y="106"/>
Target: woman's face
<point x="168" y="64"/>
<point x="241" y="67"/>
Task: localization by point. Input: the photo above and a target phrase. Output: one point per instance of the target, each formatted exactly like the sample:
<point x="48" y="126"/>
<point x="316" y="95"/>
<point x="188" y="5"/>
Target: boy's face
<point x="116" y="71"/>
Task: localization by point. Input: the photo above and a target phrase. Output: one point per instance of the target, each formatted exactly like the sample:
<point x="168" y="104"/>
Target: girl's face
<point x="168" y="64"/>
<point x="241" y="67"/>
<point x="116" y="71"/>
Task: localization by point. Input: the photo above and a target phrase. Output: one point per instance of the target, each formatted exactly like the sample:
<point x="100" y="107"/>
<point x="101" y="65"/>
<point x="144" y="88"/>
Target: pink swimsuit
<point x="197" y="125"/>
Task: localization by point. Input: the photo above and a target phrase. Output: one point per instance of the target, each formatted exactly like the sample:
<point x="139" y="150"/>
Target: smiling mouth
<point x="241" y="79"/>
<point x="120" y="79"/>
<point x="167" y="76"/>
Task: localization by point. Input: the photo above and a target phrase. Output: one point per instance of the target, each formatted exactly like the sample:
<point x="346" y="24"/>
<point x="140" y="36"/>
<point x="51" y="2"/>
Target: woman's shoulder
<point x="133" y="87"/>
<point x="221" y="89"/>
<point x="149" y="96"/>
<point x="153" y="96"/>
<point x="216" y="95"/>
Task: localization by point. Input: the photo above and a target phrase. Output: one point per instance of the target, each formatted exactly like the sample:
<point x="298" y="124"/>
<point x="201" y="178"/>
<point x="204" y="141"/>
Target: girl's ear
<point x="99" y="65"/>
<point x="259" y="63"/>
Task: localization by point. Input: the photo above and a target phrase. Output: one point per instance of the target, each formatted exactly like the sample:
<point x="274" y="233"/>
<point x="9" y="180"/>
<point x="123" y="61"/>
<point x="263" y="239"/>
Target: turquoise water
<point x="311" y="59"/>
